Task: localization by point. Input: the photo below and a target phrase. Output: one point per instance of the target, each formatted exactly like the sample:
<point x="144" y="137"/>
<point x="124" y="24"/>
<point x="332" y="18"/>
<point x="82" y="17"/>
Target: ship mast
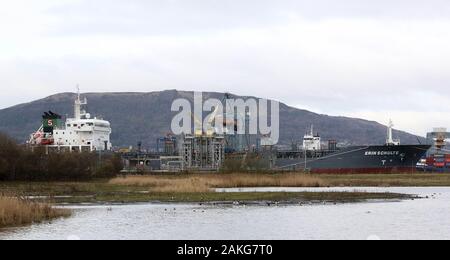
<point x="390" y="137"/>
<point x="78" y="113"/>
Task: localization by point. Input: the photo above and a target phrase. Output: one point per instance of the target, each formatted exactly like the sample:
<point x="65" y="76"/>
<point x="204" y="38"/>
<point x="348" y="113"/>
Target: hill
<point x="147" y="116"/>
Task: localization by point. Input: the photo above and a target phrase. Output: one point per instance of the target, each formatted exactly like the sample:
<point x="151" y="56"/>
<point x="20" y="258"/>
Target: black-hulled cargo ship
<point x="389" y="158"/>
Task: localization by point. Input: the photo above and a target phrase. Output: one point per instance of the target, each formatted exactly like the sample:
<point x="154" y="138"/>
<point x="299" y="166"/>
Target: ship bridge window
<point x="101" y="125"/>
<point x="68" y="125"/>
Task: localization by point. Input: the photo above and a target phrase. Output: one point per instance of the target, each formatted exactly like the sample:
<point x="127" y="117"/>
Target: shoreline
<point x="238" y="198"/>
<point x="62" y="207"/>
<point x="223" y="190"/>
<point x="255" y="203"/>
<point x="199" y="188"/>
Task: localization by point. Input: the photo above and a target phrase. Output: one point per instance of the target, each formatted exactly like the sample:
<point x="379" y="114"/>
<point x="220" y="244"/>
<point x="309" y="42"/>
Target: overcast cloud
<point x="371" y="59"/>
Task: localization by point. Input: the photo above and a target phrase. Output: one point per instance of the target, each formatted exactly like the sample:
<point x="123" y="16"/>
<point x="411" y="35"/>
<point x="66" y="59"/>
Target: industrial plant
<point x="209" y="150"/>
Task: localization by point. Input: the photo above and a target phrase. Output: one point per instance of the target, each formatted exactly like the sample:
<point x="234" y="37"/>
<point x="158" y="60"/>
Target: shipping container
<point x="439" y="164"/>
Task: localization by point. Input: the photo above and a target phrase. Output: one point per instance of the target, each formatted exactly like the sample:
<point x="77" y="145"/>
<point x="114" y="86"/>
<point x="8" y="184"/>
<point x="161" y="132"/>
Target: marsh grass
<point x="199" y="187"/>
<point x="207" y="182"/>
<point x="16" y="211"/>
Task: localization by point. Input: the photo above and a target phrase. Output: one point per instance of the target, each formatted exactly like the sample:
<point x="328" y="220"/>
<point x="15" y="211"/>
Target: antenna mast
<point x="390" y="137"/>
<point x="78" y="113"/>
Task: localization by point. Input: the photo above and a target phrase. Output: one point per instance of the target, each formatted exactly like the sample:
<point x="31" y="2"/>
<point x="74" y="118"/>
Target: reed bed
<point x="207" y="182"/>
<point x="16" y="211"/>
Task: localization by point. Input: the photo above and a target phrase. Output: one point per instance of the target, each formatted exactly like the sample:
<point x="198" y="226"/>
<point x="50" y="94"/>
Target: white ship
<point x="311" y="141"/>
<point x="80" y="133"/>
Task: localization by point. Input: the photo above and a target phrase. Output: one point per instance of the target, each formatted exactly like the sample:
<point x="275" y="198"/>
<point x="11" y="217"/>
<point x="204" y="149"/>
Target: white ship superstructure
<point x="311" y="141"/>
<point x="80" y="133"/>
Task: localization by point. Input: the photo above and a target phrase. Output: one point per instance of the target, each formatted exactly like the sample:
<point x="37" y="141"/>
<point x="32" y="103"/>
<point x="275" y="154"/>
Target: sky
<point x="375" y="60"/>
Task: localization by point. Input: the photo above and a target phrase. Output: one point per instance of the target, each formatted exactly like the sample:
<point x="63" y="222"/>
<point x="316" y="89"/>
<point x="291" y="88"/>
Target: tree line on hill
<point x="18" y="163"/>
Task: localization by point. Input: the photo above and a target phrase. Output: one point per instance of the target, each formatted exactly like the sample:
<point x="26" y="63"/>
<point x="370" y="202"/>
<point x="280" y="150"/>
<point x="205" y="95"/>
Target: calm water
<point x="418" y="219"/>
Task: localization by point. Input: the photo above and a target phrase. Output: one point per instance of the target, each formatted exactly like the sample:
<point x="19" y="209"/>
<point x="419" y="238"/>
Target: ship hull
<point x="361" y="159"/>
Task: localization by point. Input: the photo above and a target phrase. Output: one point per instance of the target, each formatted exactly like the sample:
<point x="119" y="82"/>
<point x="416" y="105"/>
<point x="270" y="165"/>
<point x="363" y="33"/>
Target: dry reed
<point x="17" y="211"/>
<point x="207" y="182"/>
